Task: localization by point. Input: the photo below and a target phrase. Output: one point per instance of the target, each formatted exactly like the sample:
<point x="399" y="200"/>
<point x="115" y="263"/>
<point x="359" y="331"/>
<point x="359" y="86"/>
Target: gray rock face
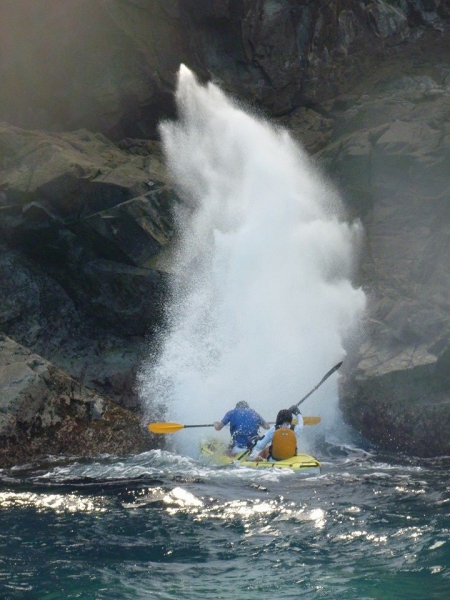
<point x="41" y="314"/>
<point x="97" y="65"/>
<point x="132" y="232"/>
<point x="70" y="175"/>
<point x="83" y="220"/>
<point x="390" y="150"/>
<point x="44" y="412"/>
<point x="122" y="55"/>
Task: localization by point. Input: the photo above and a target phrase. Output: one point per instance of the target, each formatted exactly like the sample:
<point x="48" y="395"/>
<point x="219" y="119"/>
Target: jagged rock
<point x="71" y="199"/>
<point x="310" y="128"/>
<point x="390" y="151"/>
<point x="278" y="54"/>
<point x="44" y="412"/>
<point x="94" y="331"/>
<point x="282" y="54"/>
<point x="405" y="408"/>
<point x="70" y="289"/>
<point x="131" y="232"/>
<point x="72" y="175"/>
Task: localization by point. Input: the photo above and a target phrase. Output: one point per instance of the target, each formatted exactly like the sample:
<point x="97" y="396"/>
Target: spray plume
<point x="263" y="298"/>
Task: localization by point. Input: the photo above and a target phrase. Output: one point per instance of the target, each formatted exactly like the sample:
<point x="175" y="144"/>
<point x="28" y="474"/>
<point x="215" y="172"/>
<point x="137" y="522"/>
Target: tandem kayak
<point x="216" y="451"/>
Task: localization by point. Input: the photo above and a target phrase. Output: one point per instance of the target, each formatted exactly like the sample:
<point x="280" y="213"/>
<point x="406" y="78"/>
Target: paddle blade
<point x="311" y="420"/>
<point x="331" y="371"/>
<point x="165" y="427"/>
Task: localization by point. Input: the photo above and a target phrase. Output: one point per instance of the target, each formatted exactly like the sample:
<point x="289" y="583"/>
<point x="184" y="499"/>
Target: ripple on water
<point x="163" y="526"/>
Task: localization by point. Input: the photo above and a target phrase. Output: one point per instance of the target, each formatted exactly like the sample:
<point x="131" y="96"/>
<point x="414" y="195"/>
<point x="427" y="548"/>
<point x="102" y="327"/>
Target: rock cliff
<point x="390" y="151"/>
<point x="86" y="206"/>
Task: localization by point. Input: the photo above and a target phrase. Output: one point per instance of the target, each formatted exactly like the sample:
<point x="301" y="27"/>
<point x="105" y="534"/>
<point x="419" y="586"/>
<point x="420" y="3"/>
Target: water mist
<point x="262" y="300"/>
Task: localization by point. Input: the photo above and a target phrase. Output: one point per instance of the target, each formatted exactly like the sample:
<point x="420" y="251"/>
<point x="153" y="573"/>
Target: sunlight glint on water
<point x="263" y="300"/>
<point x="160" y="525"/>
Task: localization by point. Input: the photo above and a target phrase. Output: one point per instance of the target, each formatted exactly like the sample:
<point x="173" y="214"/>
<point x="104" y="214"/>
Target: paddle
<point x="294" y="407"/>
<point x="173" y="427"/>
<point x="241" y="456"/>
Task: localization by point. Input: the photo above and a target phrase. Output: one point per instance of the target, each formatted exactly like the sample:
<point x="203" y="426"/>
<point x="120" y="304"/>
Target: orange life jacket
<point x="284" y="444"/>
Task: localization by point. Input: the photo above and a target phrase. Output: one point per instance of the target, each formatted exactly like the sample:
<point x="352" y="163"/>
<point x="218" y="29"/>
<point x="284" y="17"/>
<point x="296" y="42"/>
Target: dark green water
<point x="163" y="526"/>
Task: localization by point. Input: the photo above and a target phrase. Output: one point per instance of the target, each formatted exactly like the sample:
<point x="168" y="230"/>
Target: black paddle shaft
<point x="324" y="378"/>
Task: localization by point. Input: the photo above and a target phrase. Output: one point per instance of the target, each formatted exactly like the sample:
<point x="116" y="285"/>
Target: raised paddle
<point x="294" y="407"/>
<point x="174" y="427"/>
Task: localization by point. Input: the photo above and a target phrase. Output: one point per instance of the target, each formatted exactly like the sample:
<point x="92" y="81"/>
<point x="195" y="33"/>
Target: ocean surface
<point x="160" y="525"/>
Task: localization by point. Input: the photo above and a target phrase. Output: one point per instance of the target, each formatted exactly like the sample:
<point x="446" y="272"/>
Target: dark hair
<point x="242" y="404"/>
<point x="284" y="416"/>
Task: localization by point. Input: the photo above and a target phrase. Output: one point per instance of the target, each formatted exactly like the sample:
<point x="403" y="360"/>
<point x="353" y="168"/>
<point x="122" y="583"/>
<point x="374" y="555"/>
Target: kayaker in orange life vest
<point x="282" y="437"/>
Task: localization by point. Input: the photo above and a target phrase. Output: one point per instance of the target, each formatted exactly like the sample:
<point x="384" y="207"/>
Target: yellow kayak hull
<point x="216" y="451"/>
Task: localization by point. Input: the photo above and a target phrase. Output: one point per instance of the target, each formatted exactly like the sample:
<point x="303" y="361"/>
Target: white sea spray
<point x="263" y="299"/>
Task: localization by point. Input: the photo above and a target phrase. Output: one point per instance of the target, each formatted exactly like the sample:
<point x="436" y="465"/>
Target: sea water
<point x="163" y="526"/>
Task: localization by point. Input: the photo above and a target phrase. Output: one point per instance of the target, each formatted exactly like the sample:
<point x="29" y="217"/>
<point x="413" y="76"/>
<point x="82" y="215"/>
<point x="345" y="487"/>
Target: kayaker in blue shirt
<point x="244" y="425"/>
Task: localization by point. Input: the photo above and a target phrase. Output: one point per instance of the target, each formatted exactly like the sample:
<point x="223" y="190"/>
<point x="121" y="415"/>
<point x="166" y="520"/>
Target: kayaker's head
<point x="242" y="404"/>
<point x="284" y="417"/>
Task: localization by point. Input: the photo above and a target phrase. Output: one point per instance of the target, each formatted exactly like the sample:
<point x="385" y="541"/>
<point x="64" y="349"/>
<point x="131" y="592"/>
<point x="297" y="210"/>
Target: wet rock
<point x="277" y="54"/>
<point x="95" y="332"/>
<point x="76" y="205"/>
<point x="132" y="232"/>
<point x="390" y="152"/>
<point x="71" y="289"/>
<point x="44" y="412"/>
<point x="404" y="409"/>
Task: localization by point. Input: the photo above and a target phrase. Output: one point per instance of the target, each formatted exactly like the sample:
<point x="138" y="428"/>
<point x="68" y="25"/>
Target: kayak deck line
<point x="216" y="451"/>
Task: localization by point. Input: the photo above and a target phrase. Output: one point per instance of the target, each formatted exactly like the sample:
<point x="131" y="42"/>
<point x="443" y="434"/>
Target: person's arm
<point x="262" y="443"/>
<point x="299" y="425"/>
<point x="262" y="423"/>
<point x="218" y="425"/>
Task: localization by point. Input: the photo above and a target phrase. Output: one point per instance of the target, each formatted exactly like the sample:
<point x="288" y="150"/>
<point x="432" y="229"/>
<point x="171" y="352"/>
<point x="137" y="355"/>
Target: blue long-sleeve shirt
<point x="244" y="424"/>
